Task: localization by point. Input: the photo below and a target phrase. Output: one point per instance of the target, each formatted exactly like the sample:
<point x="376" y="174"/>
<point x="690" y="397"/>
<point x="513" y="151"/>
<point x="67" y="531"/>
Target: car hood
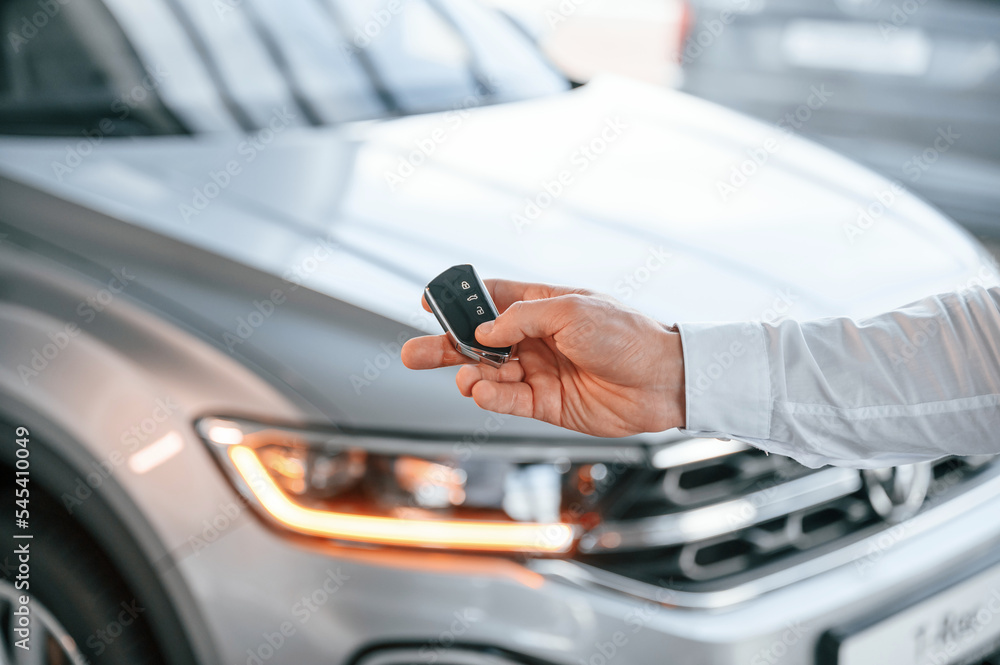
<point x="616" y="186"/>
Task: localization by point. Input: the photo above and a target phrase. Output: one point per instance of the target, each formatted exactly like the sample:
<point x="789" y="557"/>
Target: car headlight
<point x="503" y="496"/>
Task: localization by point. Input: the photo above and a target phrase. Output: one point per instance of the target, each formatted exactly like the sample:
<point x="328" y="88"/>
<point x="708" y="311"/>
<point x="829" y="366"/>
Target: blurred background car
<point x="230" y="65"/>
<point x="902" y="74"/>
<point x="215" y="223"/>
<point x="633" y="38"/>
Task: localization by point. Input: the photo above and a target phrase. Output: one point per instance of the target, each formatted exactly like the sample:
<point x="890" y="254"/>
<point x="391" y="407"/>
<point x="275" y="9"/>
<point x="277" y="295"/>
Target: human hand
<point x="584" y="361"/>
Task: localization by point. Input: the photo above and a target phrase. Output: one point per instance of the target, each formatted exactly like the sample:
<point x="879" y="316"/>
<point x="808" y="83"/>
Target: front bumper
<point x="271" y="599"/>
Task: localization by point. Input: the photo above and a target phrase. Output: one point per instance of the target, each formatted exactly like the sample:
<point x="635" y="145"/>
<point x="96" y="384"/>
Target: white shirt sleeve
<point x="914" y="384"/>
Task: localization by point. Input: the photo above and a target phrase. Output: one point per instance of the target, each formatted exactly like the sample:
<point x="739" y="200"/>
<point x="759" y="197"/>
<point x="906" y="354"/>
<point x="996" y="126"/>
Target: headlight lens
<point x="504" y="496"/>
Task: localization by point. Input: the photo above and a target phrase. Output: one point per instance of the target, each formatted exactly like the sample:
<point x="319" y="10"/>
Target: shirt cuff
<point x="727" y="379"/>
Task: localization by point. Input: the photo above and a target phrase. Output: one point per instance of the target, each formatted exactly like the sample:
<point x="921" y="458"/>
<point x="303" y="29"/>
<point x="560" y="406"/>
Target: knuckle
<point x="516" y="310"/>
<point x="511" y="403"/>
<point x="577" y="304"/>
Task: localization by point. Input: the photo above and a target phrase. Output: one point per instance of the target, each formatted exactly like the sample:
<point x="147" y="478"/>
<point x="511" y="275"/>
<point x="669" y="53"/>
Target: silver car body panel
<point x="646" y="209"/>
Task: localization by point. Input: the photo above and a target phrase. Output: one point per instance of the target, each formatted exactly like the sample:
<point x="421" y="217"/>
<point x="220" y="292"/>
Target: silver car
<point x="214" y="232"/>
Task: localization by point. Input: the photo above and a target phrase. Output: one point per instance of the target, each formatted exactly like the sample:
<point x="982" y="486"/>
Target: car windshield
<point x="190" y="66"/>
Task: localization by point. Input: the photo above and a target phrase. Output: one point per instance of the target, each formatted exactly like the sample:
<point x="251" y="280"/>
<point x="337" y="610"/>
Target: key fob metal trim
<point x="460" y="292"/>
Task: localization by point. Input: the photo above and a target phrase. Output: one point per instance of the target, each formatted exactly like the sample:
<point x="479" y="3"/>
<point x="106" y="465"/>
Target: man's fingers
<point x="513" y="398"/>
<point x="469" y="375"/>
<point x="431" y="352"/>
<point x="532" y="318"/>
<point x="506" y="292"/>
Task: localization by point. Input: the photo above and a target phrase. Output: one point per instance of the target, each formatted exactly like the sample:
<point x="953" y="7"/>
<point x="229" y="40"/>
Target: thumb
<point x="531" y="318"/>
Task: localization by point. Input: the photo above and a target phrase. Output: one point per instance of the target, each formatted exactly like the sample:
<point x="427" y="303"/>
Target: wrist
<point x="675" y="395"/>
<point x="673" y="399"/>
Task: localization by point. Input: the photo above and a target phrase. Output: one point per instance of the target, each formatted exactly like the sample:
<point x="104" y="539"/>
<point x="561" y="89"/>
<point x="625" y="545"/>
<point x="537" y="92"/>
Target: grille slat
<point x="707" y="520"/>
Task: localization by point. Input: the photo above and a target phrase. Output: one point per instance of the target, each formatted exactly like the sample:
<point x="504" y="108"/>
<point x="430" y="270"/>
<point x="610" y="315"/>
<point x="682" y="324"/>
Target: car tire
<point x="74" y="581"/>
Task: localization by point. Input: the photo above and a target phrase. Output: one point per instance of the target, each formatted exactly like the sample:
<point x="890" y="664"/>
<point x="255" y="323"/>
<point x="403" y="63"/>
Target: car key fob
<point x="461" y="303"/>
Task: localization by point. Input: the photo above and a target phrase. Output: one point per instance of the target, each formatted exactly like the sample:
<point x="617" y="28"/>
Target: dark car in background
<point x="913" y="85"/>
<point x="216" y="220"/>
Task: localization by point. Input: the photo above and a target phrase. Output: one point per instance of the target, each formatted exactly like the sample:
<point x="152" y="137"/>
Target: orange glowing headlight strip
<point x="458" y="534"/>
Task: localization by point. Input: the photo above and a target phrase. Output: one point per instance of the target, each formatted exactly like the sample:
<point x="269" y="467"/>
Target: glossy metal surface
<point x="328" y="352"/>
<point x="319" y="198"/>
<point x="865" y="554"/>
<point x="702" y="523"/>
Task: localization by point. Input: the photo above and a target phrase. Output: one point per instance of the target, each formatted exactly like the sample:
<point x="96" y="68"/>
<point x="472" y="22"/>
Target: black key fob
<point x="460" y="302"/>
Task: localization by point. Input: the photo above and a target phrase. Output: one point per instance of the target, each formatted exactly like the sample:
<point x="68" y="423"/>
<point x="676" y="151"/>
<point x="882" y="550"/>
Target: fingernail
<point x="485" y="329"/>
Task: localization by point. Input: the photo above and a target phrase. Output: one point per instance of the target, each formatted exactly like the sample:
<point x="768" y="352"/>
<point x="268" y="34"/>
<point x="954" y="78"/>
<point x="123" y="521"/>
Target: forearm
<point x="917" y="383"/>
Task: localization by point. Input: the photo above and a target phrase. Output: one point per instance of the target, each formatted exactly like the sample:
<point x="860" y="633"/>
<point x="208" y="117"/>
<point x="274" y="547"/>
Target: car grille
<point x="712" y="513"/>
